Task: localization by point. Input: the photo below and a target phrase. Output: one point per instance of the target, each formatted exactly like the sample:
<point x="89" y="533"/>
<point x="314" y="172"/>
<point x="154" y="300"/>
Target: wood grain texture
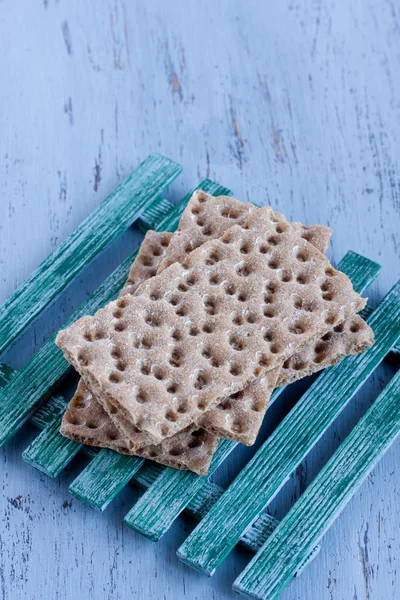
<point x="155" y="512"/>
<point x="292" y="104"/>
<point x="277" y="561"/>
<point x="271" y="466"/>
<point x="115" y="214"/>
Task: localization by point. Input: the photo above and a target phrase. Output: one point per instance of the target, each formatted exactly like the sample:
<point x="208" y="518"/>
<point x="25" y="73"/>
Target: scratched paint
<point x="293" y="104"/>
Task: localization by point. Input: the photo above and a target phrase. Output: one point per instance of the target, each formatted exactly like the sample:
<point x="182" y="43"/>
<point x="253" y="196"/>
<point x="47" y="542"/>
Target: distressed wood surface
<point x="155" y="512"/>
<point x="262" y="478"/>
<point x="293" y="104"/>
<point x="277" y="561"/>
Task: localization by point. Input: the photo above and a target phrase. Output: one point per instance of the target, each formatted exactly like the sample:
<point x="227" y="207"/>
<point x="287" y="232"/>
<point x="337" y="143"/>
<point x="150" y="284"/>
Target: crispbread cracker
<point x="202" y="331"/>
<point x="207" y="217"/>
<point x="86" y="422"/>
<point x="353" y="336"/>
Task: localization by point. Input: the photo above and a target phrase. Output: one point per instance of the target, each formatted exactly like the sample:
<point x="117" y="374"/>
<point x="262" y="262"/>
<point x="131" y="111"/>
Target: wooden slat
<point x="264" y="475"/>
<point x="170" y="222"/>
<point x="107" y="222"/>
<point x="48" y="415"/>
<point x="104" y="478"/>
<point x="322" y="502"/>
<point x="154" y="213"/>
<point x="50" y="452"/>
<point x="155" y="512"/>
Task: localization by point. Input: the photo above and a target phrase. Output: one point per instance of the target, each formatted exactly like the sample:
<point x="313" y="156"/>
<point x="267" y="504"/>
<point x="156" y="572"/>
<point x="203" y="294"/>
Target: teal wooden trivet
<point x="227" y="517"/>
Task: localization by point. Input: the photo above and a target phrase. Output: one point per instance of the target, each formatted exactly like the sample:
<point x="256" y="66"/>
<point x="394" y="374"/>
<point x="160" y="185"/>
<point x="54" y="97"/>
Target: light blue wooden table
<point x="294" y="104"/>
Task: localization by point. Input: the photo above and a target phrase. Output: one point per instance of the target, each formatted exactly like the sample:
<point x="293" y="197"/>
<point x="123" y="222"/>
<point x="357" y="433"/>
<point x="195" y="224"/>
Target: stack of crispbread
<point x="211" y="320"/>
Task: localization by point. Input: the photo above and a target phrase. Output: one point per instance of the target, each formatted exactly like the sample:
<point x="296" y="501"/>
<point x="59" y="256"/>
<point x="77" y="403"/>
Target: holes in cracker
<point x="122" y="302"/>
<point x="193" y="331"/>
<point x="165" y="430"/>
<point x="194" y="443"/>
<point x="121" y="366"/>
<point x="273" y="240"/>
<point x="91" y="425"/>
<point x="115" y="377"/>
<point x="302" y="255"/>
<point x="230" y="289"/>
<point x="153" y="453"/>
<point x="120" y="326"/>
<point x="327" y="336"/>
<point x="145" y="369"/>
<point x="297" y="328"/>
<point x="215" y="363"/>
<point x="83" y="359"/>
<point x="200" y="221"/>
<point x="191" y="280"/>
<point x="210" y="305"/>
<point x="281" y="228"/>
<point x="174" y="300"/>
<point x="243" y="269"/>
<point x="276" y="348"/>
<point x="183" y="407"/>
<point x="79" y="401"/>
<point x="143" y="343"/>
<point x="112" y="434"/>
<point x="172" y="388"/>
<point x="74" y="419"/>
<point x="245" y="248"/>
<point x="263" y="249"/>
<point x="207" y="230"/>
<point x="117" y="313"/>
<point x="206" y="352"/>
<point x="146" y="260"/>
<point x="164" y="242"/>
<point x="177" y="335"/>
<point x="299" y="365"/>
<point x="208" y="327"/>
<point x="235" y="369"/>
<point x="238" y="426"/>
<point x="159" y="373"/>
<point x="227" y="238"/>
<point x="176" y="451"/>
<point x="213" y="258"/>
<point x="153" y="319"/>
<point x="273" y="263"/>
<point x="355" y="327"/>
<point x="242" y="297"/>
<point x="215" y="279"/>
<point x="155" y="295"/>
<point x="331" y="318"/>
<point x="182" y="287"/>
<point x="171" y="415"/>
<point x="269" y="335"/>
<point x="201" y="405"/>
<point x="91" y="336"/>
<point x="182" y="311"/>
<point x="257" y="406"/>
<point x="286" y="275"/>
<point x="141" y="397"/>
<point x="156" y="251"/>
<point x="188" y="248"/>
<point x="195" y="210"/>
<point x="252" y="317"/>
<point x="237" y="319"/>
<point x="176" y="358"/>
<point x="340" y="328"/>
<point x="230" y="213"/>
<point x="257" y="371"/>
<point x="271" y="287"/>
<point x="269" y="312"/>
<point x="202" y="380"/>
<point x="264" y="360"/>
<point x="225" y="405"/>
<point x="236" y="342"/>
<point x="303" y="278"/>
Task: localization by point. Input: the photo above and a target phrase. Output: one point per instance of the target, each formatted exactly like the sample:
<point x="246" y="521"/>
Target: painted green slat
<point x="147" y="474"/>
<point x="305" y="524"/>
<point x="264" y="475"/>
<point x="169" y="495"/>
<point x="49" y="450"/>
<point x="62" y="447"/>
<point x="108" y="221"/>
<point x="154" y="213"/>
<point x="104" y="478"/>
<point x="155" y="512"/>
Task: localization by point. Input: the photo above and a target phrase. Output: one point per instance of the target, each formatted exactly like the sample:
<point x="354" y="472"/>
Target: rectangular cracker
<point x="239" y="422"/>
<point x="244" y="287"/>
<point x="207" y="217"/>
<point x="86" y="422"/>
